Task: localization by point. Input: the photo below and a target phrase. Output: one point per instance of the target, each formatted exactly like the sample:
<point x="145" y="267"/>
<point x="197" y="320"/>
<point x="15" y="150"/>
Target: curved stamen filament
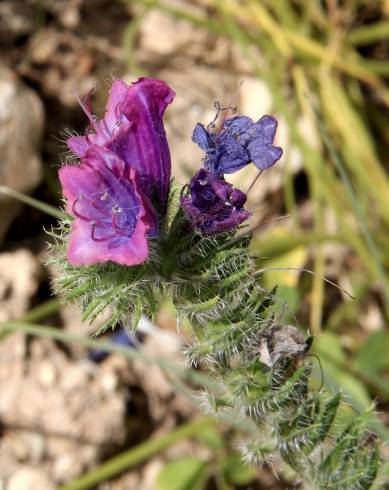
<point x="100" y="239"/>
<point x="76" y="213"/>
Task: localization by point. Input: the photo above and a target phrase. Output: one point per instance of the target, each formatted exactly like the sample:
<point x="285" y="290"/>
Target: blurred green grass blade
<point x="31" y="201"/>
<point x="290" y="42"/>
<point x="37" y="314"/>
<point x="373" y="355"/>
<point x="359" y="149"/>
<point x="369" y="33"/>
<point x="285" y="13"/>
<point x="185" y="473"/>
<point x="129" y="38"/>
<point x="338" y="376"/>
<point x="382" y="480"/>
<point x="379" y="67"/>
<point x="271" y="246"/>
<point x="359" y="213"/>
<point x="41" y="311"/>
<point x="190" y="375"/>
<point x="134" y="456"/>
<point x="236" y="472"/>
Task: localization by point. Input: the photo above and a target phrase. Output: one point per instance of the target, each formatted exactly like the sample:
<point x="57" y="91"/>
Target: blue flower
<point x="239" y="142"/>
<point x="211" y="204"/>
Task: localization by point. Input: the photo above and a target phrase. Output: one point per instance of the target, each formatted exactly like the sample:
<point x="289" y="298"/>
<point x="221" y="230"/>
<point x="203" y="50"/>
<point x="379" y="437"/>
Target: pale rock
<point x="67" y="467"/>
<point x="35" y="444"/>
<point x="109" y="381"/>
<point x="29" y="478"/>
<point x="19" y="277"/>
<point x="371" y="319"/>
<point x="255" y="98"/>
<point x="21" y="125"/>
<point x="59" y="424"/>
<point x="76" y="376"/>
<point x="47" y="374"/>
<point x="150" y="473"/>
<point x="161" y="34"/>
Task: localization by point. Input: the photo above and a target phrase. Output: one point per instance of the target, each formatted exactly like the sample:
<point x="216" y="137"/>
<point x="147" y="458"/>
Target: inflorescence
<point x="130" y="238"/>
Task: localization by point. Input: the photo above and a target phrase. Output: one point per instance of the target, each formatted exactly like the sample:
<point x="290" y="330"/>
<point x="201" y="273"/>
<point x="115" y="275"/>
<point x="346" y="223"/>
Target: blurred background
<point x="73" y="418"/>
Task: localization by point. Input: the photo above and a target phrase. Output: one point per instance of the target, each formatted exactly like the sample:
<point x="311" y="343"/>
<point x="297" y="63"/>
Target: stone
<point x="29" y="478"/>
<point x="21" y="125"/>
<point x="19" y="279"/>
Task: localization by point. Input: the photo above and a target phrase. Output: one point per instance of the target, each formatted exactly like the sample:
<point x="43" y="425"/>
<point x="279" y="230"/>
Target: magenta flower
<point x="113" y="216"/>
<point x="132" y="128"/>
<point x="213" y="205"/>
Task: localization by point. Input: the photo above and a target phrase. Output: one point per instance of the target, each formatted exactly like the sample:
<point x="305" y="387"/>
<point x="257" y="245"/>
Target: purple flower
<point x="132" y="128"/>
<point x="113" y="216"/>
<point x="239" y="142"/>
<point x="212" y="204"/>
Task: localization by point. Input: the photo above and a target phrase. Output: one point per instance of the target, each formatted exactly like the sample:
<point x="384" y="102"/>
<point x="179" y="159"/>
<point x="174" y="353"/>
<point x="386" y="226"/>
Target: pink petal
<point x="75" y="181"/>
<point x="83" y="250"/>
<point x="78" y="145"/>
<point x="116" y="96"/>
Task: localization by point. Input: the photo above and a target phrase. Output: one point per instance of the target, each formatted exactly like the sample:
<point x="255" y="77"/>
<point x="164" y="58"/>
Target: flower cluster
<point x="118" y="189"/>
<point x="212" y="204"/>
<point x="124" y="168"/>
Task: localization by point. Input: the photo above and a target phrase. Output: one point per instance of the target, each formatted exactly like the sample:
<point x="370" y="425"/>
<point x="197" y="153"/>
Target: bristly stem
<point x="263" y="371"/>
<point x="260" y="367"/>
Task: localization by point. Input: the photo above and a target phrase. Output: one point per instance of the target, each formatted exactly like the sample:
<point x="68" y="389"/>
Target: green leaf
<point x="290" y="296"/>
<point x="235" y="471"/>
<point x="373" y="355"/>
<point x="211" y="438"/>
<point x="187" y="473"/>
<point x="333" y="360"/>
<point x="329" y="346"/>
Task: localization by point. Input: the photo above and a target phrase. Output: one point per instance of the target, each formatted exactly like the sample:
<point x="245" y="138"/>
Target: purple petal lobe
<point x="264" y="156"/>
<point x="264" y="130"/>
<point x="132" y="128"/>
<point x="78" y="145"/>
<point x="113" y="116"/>
<point x="201" y="137"/>
<point x="144" y="145"/>
<point x="112" y="215"/>
<point x="213" y="205"/>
